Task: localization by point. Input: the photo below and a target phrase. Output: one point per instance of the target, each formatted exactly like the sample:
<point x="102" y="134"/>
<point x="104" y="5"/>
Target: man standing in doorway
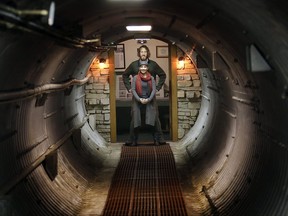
<point x="143" y="53"/>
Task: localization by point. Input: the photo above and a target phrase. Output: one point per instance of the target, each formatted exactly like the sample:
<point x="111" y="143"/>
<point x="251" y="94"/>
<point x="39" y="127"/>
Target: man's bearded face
<point x="143" y="54"/>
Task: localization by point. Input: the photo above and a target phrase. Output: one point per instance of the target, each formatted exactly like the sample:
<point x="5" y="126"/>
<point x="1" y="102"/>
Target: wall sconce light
<point x="181" y="63"/>
<point x="102" y="63"/>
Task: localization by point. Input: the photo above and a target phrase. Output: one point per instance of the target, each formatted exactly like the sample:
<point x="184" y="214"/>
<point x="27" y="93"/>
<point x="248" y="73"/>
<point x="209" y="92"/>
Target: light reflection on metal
<point x="12" y="96"/>
<point x="46" y="11"/>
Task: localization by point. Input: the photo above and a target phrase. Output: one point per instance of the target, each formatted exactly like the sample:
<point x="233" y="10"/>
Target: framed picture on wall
<point x="119" y="56"/>
<point x="121" y="91"/>
<point x="162" y="51"/>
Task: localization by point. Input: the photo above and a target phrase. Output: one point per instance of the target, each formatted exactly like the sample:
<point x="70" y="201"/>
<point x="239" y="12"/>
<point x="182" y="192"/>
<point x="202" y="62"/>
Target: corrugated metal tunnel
<point x="237" y="150"/>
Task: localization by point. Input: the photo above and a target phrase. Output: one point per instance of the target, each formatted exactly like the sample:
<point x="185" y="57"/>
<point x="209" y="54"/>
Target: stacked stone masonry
<point x="189" y="97"/>
<point x="97" y="100"/>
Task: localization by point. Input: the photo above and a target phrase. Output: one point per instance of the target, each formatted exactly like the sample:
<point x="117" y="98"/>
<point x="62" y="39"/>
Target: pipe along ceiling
<point x="237" y="150"/>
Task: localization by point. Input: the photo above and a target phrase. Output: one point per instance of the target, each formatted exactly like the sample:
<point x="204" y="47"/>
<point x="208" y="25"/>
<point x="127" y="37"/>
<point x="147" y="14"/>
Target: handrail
<point x="47" y="88"/>
<point x="12" y="18"/>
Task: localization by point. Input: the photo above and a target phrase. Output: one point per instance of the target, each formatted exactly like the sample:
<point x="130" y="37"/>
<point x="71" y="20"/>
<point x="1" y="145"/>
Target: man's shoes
<point x="161" y="140"/>
<point x="134" y="143"/>
<point x="156" y="142"/>
<point x="128" y="143"/>
<point x="158" y="139"/>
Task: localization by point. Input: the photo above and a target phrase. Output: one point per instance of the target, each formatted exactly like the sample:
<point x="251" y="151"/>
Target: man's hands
<point x="144" y="100"/>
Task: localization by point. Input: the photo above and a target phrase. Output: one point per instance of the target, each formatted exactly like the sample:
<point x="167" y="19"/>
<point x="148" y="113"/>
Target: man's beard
<point x="143" y="58"/>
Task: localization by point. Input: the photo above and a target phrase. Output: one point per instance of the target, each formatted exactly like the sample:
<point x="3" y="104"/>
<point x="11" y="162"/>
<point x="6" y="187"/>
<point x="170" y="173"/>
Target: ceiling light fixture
<point x="142" y="36"/>
<point x="141" y="39"/>
<point x="139" y="27"/>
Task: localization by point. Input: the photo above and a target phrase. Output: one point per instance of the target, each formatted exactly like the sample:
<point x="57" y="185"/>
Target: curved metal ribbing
<point x="145" y="183"/>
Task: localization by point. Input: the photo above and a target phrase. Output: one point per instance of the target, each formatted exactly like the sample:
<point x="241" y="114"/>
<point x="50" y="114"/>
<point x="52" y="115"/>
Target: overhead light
<point x="141" y="39"/>
<point x="139" y="27"/>
<point x="127" y="0"/>
<point x="142" y="36"/>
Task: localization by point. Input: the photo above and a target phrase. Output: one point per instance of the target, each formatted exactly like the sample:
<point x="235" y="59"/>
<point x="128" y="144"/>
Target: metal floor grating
<point x="145" y="183"/>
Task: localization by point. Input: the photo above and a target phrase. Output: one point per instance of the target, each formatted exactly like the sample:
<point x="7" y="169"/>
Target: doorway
<point x="159" y="51"/>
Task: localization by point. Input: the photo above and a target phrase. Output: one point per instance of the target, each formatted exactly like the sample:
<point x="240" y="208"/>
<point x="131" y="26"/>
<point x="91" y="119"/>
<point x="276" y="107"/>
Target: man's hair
<point x="145" y="47"/>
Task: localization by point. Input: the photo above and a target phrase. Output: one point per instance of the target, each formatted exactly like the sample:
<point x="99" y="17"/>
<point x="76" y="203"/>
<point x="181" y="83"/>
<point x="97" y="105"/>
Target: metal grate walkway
<point x="145" y="183"/>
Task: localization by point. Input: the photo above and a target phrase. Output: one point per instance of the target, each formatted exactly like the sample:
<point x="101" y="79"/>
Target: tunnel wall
<point x="239" y="159"/>
<point x="235" y="149"/>
<point x="45" y="133"/>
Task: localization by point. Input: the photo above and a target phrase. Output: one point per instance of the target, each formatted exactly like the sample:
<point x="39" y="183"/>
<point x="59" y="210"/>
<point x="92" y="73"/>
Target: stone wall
<point x="189" y="97"/>
<point x="97" y="99"/>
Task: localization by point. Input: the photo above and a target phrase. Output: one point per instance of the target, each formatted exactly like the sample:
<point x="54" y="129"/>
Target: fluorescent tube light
<point x="141" y="39"/>
<point x="139" y="28"/>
